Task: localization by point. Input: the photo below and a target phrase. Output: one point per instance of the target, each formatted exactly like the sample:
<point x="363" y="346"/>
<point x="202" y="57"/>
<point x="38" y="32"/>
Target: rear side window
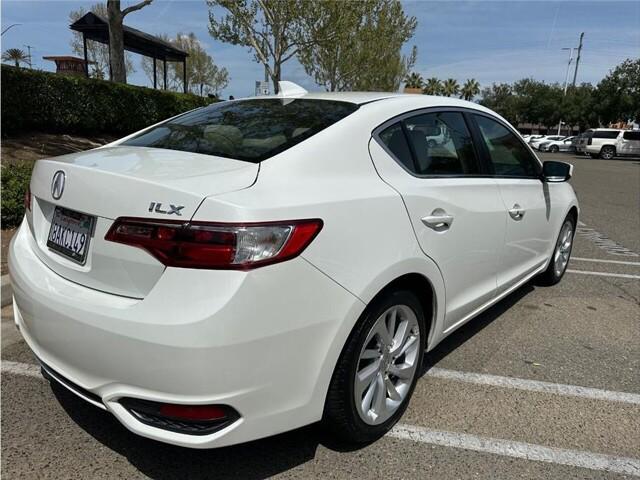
<point x="393" y="137"/>
<point x="249" y="130"/>
<point x="509" y="156"/>
<point x="605" y="134"/>
<point x="632" y="135"/>
<point x="433" y="144"/>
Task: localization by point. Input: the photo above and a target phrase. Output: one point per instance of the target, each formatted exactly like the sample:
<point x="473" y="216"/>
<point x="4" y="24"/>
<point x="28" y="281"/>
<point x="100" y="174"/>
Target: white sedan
<point x="554" y="146"/>
<point x="258" y="265"/>
<point x="535" y="144"/>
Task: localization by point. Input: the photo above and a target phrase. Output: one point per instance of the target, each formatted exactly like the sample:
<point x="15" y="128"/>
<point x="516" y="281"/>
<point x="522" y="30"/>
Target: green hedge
<point x="15" y="181"/>
<point x="42" y="101"/>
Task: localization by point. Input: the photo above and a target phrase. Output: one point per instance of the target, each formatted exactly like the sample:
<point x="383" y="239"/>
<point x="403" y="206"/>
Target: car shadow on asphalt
<point x="253" y="460"/>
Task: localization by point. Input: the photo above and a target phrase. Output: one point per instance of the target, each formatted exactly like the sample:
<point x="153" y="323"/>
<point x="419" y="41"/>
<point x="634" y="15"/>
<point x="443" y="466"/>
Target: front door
<point x="526" y="199"/>
<point x="457" y="214"/>
<point x="629" y="144"/>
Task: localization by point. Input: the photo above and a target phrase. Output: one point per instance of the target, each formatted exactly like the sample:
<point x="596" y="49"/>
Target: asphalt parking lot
<point x="546" y="384"/>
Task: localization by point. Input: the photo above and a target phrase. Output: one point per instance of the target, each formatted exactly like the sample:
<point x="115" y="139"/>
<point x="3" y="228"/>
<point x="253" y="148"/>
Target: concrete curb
<point x="7" y="291"/>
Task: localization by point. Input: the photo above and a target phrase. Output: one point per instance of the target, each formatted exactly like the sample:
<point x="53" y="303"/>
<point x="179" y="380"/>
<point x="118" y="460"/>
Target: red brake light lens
<point x="216" y="245"/>
<point x="193" y="412"/>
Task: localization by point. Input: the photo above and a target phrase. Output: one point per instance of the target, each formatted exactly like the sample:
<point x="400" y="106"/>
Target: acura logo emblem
<point x="57" y="185"/>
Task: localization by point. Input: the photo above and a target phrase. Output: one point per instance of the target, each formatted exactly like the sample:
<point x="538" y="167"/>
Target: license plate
<point x="70" y="233"/>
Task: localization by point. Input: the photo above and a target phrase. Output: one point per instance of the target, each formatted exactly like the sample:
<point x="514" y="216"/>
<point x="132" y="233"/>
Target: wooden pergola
<point x="93" y="27"/>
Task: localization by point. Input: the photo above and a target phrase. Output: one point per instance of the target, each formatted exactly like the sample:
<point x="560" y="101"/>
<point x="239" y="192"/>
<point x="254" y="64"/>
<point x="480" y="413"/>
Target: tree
<point x="357" y="45"/>
<point x="432" y="86"/>
<point x="450" y="87"/>
<point x="16" y="56"/>
<point x="470" y="89"/>
<point x="115" y="18"/>
<point x="618" y="94"/>
<point x="274" y="31"/>
<point x="414" y="80"/>
<point x="500" y="98"/>
<point x="97" y="52"/>
<point x="203" y="75"/>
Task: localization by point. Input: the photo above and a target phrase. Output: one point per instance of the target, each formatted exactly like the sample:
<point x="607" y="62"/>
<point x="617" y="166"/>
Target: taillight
<point x="27" y="199"/>
<point x="216" y="245"/>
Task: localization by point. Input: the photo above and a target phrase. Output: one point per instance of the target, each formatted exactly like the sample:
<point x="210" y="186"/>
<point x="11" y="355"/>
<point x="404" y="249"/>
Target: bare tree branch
<point x="135" y="7"/>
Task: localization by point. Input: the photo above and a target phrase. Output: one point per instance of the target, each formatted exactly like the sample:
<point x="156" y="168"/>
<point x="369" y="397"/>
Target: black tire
<point x="550" y="277"/>
<point x="341" y="418"/>
<point x="608" y="152"/>
<point x="554" y="149"/>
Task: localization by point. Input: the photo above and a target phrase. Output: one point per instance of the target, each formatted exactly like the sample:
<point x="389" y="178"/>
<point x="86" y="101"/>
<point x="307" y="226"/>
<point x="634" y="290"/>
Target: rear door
<point x="527" y="201"/>
<point x="456" y="212"/>
<point x="629" y="144"/>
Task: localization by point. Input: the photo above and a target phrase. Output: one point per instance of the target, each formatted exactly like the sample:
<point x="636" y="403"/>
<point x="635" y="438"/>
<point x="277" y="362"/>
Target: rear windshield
<point x="249" y="130"/>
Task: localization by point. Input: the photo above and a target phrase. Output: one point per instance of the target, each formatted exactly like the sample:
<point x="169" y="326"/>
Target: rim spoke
<point x="368" y="397"/>
<point x="392" y="321"/>
<point x="402" y="371"/>
<point x="404" y="347"/>
<point x="379" y="396"/>
<point x="383" y="333"/>
<point x="366" y="375"/>
<point x="391" y="390"/>
<point x="370" y="353"/>
<point x="401" y="333"/>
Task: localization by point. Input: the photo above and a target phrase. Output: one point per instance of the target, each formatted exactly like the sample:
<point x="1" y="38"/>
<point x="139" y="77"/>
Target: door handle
<point x="439" y="220"/>
<point x="517" y="212"/>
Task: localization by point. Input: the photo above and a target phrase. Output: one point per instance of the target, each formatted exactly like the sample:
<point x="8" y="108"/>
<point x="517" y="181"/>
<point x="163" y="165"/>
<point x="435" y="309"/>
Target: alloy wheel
<point x="563" y="249"/>
<point x="387" y="364"/>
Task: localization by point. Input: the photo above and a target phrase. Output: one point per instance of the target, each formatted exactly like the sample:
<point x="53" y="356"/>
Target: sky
<point x="490" y="41"/>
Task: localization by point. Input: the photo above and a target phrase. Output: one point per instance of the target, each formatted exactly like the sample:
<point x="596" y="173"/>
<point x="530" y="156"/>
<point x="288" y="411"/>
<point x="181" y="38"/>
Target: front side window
<point x="632" y="135"/>
<point x="508" y="155"/>
<point x="249" y="130"/>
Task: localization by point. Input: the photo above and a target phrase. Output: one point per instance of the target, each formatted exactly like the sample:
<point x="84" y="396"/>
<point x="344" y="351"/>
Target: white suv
<point x="608" y="143"/>
<point x="257" y="265"/>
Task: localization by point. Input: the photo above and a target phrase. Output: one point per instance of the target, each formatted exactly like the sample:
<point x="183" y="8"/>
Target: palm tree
<point x="450" y="87"/>
<point x="432" y="87"/>
<point x="15" y="55"/>
<point x="470" y="89"/>
<point x="414" y="80"/>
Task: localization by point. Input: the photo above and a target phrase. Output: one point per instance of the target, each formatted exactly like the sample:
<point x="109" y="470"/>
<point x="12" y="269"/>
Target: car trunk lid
<point x="112" y="182"/>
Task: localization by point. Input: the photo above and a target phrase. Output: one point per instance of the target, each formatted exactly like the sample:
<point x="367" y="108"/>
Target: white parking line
<point x="534" y="385"/>
<point x="18" y="368"/>
<point x="508" y="448"/>
<point x="603" y="274"/>
<point x="599" y="260"/>
<point x="527" y="451"/>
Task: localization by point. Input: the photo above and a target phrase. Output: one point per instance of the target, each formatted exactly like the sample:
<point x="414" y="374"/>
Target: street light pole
<point x="12" y="25"/>
<point x="566" y="80"/>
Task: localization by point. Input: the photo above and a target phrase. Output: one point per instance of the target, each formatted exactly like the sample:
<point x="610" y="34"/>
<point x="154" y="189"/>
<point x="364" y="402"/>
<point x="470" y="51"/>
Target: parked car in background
<point x="258" y="265"/>
<point x="554" y="146"/>
<point x="531" y="138"/>
<point x="607" y="143"/>
<point x="546" y="138"/>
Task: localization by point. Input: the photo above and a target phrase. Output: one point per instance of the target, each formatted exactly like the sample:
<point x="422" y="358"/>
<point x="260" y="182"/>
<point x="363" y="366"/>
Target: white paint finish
<point x="603" y="274"/>
<point x="534" y="386"/>
<point x="600" y="260"/>
<point x="468" y="251"/>
<point x="529" y="240"/>
<point x="306" y="307"/>
<point x="521" y="450"/>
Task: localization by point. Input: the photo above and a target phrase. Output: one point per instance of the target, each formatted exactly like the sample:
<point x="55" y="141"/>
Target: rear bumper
<point x="264" y="342"/>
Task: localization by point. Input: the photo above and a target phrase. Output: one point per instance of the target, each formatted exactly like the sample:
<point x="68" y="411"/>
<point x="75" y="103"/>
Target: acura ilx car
<point x="258" y="265"/>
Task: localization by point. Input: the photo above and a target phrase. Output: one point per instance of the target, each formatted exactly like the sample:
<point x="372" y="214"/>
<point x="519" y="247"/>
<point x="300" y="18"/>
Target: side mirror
<point x="556" y="171"/>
